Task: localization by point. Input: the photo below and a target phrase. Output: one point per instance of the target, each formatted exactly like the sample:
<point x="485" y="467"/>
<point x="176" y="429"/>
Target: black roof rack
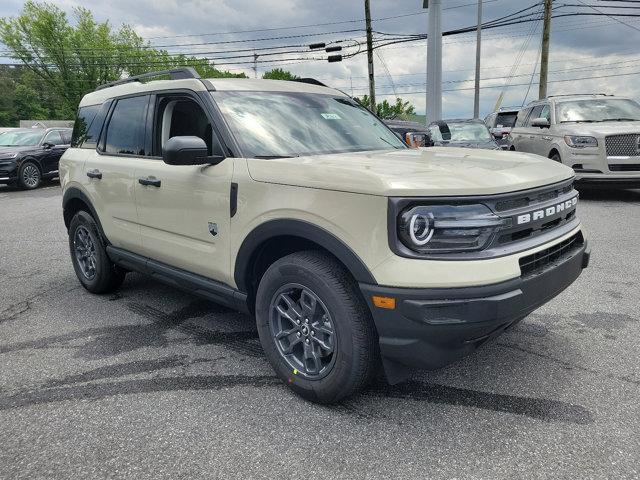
<point x="312" y="81"/>
<point x="174" y="74"/>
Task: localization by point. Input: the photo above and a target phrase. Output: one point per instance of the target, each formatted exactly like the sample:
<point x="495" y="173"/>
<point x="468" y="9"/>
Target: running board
<point x="190" y="282"/>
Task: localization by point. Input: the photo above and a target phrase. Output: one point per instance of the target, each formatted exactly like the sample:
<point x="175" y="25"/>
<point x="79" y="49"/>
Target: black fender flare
<point x="74" y="193"/>
<point x="304" y="230"/>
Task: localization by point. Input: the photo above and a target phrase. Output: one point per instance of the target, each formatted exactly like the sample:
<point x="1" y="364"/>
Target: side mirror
<point x="418" y="139"/>
<point x="47" y="145"/>
<point x="188" y="150"/>
<point x="540" y="122"/>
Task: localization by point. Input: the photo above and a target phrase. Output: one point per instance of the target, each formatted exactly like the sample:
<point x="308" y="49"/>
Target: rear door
<point x="110" y="170"/>
<point x="185" y="214"/>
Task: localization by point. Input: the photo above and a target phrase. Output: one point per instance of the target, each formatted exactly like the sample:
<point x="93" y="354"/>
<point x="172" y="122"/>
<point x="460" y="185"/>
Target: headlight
<point x="575" y="141"/>
<point x="447" y="228"/>
<point x="8" y="156"/>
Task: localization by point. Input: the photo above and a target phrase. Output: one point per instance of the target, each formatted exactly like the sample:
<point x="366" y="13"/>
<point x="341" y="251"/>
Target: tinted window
<point x="54" y="137"/>
<point x="84" y="120"/>
<point x="125" y="132"/>
<point x="506" y="119"/>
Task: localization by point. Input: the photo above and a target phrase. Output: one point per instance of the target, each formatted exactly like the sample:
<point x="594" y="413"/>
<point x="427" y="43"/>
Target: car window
<point x="88" y="125"/>
<point x="523" y="115"/>
<point x="180" y="116"/>
<point x="460" y="132"/>
<point x="546" y="113"/>
<point x="54" y="138"/>
<point x="125" y="131"/>
<point x="506" y="119"/>
<point x="597" y="110"/>
<point x="535" y="113"/>
<point x="66" y="136"/>
<point x="21" y="138"/>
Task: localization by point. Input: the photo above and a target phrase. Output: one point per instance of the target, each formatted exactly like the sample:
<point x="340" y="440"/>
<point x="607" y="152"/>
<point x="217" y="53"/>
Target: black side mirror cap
<point x="47" y="145"/>
<point x="188" y="150"/>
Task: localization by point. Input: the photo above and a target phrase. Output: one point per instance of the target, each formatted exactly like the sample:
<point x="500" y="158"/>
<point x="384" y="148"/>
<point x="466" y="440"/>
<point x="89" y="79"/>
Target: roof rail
<point x="311" y="81"/>
<point x="581" y="95"/>
<point x="174" y="74"/>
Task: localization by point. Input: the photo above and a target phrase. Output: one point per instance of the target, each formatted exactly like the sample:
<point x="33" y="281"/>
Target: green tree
<point x="279" y="74"/>
<point x="72" y="60"/>
<point x="389" y="111"/>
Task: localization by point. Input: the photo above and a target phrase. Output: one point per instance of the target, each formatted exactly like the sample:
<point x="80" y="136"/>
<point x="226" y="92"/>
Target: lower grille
<point x="623" y="167"/>
<point x="623" y="145"/>
<point x="537" y="262"/>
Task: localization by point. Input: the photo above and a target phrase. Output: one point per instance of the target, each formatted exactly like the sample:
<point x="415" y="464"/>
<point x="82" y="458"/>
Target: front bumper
<point x="8" y="172"/>
<point x="430" y="328"/>
<point x="607" y="181"/>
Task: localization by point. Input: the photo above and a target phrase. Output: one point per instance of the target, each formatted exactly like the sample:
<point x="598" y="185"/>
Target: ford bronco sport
<point x="597" y="135"/>
<point x="290" y="201"/>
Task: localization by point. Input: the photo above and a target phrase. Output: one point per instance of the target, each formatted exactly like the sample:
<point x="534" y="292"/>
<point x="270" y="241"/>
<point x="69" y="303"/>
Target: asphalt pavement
<point x="150" y="382"/>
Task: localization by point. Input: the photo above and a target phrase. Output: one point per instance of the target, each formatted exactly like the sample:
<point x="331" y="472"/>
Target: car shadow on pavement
<point x="100" y="343"/>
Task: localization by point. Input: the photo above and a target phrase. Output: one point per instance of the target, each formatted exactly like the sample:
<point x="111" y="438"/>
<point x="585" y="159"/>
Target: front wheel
<point x="29" y="176"/>
<point x="315" y="329"/>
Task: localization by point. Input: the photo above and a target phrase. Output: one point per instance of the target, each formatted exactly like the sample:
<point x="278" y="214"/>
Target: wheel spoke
<point x="295" y="340"/>
<point x="326" y="346"/>
<point x="287" y="314"/>
<point x="291" y="304"/>
<point x="310" y="355"/>
<point x="308" y="303"/>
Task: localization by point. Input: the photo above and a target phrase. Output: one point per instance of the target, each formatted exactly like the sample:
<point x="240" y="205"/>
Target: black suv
<point x="30" y="155"/>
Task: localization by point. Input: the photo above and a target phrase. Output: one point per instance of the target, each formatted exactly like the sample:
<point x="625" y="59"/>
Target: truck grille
<point x="538" y="262"/>
<point x="623" y="145"/>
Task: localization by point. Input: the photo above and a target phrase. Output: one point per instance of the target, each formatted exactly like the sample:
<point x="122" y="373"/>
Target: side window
<point x="180" y="116"/>
<point x="522" y="117"/>
<point x="546" y="113"/>
<point x="88" y="125"/>
<point x="54" y="138"/>
<point x="125" y="130"/>
<point x="66" y="136"/>
<point x="535" y="113"/>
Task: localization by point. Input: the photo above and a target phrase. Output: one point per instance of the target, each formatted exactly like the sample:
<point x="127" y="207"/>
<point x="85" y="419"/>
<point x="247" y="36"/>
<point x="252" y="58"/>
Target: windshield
<point x="460" y="132"/>
<point x="597" y="110"/>
<point x="506" y="119"/>
<point x="14" y="139"/>
<point x="288" y="124"/>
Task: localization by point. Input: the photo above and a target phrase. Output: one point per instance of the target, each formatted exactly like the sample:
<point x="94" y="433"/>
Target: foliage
<point x="279" y="74"/>
<point x="73" y="59"/>
<point x="388" y="111"/>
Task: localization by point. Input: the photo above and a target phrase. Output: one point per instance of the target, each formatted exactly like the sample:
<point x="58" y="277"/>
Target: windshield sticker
<point x="331" y="116"/>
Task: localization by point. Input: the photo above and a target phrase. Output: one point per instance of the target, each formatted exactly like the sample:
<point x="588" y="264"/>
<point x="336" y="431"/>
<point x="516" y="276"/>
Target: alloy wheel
<point x="85" y="252"/>
<point x="303" y="331"/>
<point x="30" y="175"/>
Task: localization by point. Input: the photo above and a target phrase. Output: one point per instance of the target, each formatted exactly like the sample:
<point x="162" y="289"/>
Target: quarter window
<point x="125" y="131"/>
<point x="53" y="138"/>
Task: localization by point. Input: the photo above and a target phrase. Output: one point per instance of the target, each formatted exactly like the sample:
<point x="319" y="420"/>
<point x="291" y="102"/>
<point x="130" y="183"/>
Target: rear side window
<point x="522" y="117"/>
<point x="125" y="131"/>
<point x="506" y="119"/>
<point x="84" y="120"/>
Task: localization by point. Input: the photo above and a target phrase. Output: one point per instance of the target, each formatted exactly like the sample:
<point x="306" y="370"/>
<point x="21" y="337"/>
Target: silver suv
<point x="597" y="135"/>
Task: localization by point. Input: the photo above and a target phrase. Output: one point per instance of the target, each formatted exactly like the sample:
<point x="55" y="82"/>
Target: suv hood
<point x="429" y="171"/>
<point x="599" y="128"/>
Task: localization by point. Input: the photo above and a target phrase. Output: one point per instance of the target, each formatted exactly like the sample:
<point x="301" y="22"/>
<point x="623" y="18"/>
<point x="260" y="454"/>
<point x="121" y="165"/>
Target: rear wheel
<point x="315" y="329"/>
<point x="96" y="272"/>
<point x="29" y="176"/>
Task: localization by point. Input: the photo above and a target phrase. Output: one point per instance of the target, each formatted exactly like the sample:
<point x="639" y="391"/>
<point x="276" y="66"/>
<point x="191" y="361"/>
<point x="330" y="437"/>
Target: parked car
<point x="30" y="155"/>
<point x="413" y="134"/>
<point x="501" y="122"/>
<point x="465" y="133"/>
<point x="292" y="202"/>
<point x="596" y="135"/>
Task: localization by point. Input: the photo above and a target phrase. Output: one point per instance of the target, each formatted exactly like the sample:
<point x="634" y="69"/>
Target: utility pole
<point x="476" y="99"/>
<point x="544" y="61"/>
<point x="434" y="60"/>
<point x="372" y="82"/>
<point x="255" y="65"/>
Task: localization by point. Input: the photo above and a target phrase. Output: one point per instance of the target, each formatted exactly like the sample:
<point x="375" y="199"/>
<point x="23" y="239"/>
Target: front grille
<point x="537" y="262"/>
<point x="623" y="145"/>
<point x="532" y="199"/>
<point x="622" y="167"/>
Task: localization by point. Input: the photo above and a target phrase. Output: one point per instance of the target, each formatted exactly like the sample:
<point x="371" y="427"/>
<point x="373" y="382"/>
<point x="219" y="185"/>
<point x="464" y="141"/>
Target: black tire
<point x="556" y="157"/>
<point x="29" y="176"/>
<point x="105" y="276"/>
<point x="354" y="360"/>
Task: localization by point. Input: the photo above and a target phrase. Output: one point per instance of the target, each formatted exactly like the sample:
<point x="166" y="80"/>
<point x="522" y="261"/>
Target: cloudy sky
<point x="581" y="46"/>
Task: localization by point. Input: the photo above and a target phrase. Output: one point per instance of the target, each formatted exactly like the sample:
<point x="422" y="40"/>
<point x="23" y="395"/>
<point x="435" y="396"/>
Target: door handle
<point x="149" y="181"/>
<point x="546" y="138"/>
<point x="532" y="136"/>
<point x="95" y="173"/>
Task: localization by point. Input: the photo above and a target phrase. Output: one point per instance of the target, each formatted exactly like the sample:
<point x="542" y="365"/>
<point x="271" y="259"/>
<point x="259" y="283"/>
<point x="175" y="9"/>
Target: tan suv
<point x="289" y="201"/>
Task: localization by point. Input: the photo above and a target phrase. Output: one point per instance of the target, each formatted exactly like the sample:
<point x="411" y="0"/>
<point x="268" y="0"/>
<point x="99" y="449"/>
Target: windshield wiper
<point x="267" y="157"/>
<point x="620" y="120"/>
<point x="389" y="143"/>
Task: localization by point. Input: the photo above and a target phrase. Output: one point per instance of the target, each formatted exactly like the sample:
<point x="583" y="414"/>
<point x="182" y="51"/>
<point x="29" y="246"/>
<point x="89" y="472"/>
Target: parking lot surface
<point x="151" y="382"/>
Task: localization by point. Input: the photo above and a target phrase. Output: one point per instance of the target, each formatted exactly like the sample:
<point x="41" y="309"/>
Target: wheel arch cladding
<point x="277" y="238"/>
<point x="75" y="200"/>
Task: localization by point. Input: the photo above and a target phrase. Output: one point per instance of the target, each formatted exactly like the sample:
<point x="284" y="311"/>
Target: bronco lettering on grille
<point x="546" y="212"/>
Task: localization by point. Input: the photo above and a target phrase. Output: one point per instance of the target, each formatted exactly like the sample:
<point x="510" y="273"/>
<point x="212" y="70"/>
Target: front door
<point x="56" y="146"/>
<point x="183" y="210"/>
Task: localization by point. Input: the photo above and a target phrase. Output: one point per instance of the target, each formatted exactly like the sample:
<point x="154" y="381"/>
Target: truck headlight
<point x="447" y="228"/>
<point x="576" y="141"/>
